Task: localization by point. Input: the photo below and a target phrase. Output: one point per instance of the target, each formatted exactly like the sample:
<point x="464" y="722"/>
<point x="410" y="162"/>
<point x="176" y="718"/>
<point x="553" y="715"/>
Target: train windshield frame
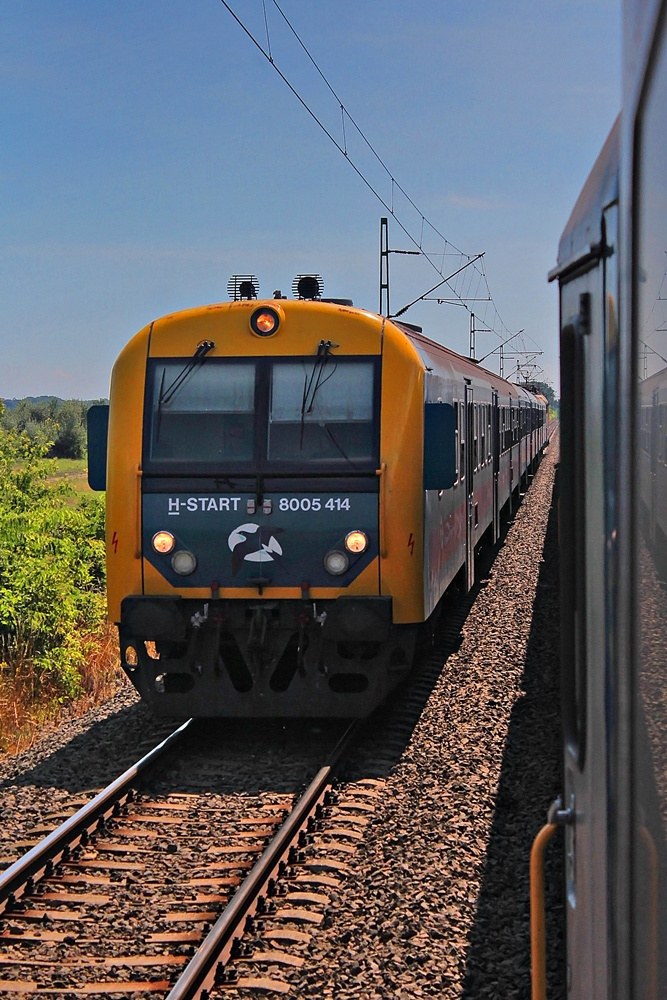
<point x="266" y="415"/>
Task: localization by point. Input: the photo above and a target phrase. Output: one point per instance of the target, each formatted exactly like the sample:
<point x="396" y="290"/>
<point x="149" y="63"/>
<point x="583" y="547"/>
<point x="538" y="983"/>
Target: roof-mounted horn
<point x="308" y="286"/>
<point x="242" y="286"/>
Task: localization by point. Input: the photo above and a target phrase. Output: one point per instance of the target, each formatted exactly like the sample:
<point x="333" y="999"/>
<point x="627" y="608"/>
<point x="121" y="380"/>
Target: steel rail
<point x="50" y="850"/>
<point x="200" y="974"/>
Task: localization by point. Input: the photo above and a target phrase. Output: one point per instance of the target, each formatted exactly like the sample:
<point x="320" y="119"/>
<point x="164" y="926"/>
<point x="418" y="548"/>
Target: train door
<point x="588" y="291"/>
<point x="517" y="440"/>
<point x="495" y="450"/>
<point x="510" y="435"/>
<point x="470" y="486"/>
<point x="523" y="444"/>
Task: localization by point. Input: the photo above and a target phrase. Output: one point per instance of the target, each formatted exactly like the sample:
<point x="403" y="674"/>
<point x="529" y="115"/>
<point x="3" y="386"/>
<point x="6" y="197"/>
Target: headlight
<point x="183" y="562"/>
<point x="336" y="562"/>
<point x="356" y="541"/>
<point x="163" y="542"/>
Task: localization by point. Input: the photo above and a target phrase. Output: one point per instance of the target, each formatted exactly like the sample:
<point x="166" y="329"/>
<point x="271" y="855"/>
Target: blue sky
<point x="149" y="152"/>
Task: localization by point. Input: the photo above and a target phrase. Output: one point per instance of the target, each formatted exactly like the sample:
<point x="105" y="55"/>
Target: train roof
<point x="431" y="350"/>
<point x="656" y="381"/>
<point x="582" y="235"/>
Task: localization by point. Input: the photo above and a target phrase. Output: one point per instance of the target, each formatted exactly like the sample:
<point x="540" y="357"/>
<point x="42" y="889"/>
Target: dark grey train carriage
<point x="612" y="272"/>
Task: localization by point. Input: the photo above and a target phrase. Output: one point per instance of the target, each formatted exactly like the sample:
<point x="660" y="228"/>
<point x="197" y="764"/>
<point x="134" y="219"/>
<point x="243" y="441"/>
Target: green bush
<point x="51" y="568"/>
<point x="61" y="422"/>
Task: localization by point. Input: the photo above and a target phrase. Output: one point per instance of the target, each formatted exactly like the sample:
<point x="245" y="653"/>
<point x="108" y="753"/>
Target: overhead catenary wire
<point x="471" y="260"/>
<point x="332" y="138"/>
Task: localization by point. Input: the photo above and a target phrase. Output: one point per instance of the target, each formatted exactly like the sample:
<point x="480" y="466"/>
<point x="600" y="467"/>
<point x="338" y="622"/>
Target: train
<point x="611" y="271"/>
<point x="292" y="484"/>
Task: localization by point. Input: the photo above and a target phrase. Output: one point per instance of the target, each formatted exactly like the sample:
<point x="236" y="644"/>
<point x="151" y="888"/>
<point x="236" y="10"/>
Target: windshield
<point x="257" y="416"/>
<point x="329" y="419"/>
<point x="209" y="419"/>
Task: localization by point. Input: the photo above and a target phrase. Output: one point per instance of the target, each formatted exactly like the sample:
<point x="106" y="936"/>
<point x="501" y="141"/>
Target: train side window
<point x="475" y="437"/>
<point x="485" y="434"/>
<point x="457" y="445"/>
<point x="644" y="432"/>
<point x="462" y="442"/>
<point x="482" y="429"/>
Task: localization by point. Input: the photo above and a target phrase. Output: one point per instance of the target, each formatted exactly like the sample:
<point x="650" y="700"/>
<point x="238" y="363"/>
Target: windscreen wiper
<point x="166" y="395"/>
<point x="312" y="385"/>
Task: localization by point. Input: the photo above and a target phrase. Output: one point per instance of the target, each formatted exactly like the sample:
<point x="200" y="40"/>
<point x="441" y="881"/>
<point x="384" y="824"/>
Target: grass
<point x="74" y="472"/>
<point x="28" y="709"/>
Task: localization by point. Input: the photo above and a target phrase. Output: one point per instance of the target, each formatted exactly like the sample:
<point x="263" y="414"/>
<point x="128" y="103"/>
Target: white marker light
<point x="336" y="562"/>
<point x="183" y="562"/>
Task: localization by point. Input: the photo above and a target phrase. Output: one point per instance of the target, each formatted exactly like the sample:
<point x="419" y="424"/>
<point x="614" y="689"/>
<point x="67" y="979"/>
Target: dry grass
<point x="28" y="709"/>
<point x="74" y="472"/>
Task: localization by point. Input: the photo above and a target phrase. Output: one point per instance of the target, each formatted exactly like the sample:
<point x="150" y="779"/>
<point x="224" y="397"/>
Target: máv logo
<point x="254" y="543"/>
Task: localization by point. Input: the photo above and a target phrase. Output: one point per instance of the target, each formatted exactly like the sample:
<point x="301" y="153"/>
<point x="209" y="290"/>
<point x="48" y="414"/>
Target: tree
<point x="70" y="423"/>
<point x="546" y="390"/>
<point x="60" y="422"/>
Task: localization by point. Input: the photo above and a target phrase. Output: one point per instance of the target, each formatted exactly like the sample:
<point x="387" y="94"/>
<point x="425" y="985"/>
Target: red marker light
<point x="264" y="322"/>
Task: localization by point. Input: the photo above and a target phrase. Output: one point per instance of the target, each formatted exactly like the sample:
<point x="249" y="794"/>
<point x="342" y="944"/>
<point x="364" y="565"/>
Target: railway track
<point x="144" y="893"/>
<point x="153" y="889"/>
<point x="171" y="891"/>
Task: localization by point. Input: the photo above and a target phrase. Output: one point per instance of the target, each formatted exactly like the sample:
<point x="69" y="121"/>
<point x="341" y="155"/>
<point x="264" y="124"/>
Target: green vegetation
<point x="549" y="393"/>
<point x="52" y="575"/>
<point x="61" y="423"/>
<point x="74" y="472"/>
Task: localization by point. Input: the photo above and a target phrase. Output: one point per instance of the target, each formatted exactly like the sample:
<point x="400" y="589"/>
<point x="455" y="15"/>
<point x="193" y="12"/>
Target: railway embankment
<point x="438" y="902"/>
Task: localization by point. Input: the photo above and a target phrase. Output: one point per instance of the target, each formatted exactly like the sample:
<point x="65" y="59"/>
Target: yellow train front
<point x="245" y="509"/>
<point x="291" y="487"/>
